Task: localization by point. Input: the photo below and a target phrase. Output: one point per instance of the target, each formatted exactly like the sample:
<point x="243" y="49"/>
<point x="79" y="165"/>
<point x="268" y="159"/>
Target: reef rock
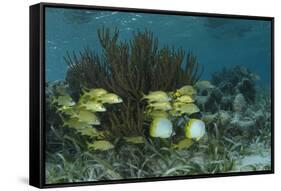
<point x="209" y="99"/>
<point x="223" y="117"/>
<point x="259" y="115"/>
<point x="226" y="103"/>
<point x="236" y="80"/>
<point x="247" y="88"/>
<point x="243" y="124"/>
<point x="239" y="103"/>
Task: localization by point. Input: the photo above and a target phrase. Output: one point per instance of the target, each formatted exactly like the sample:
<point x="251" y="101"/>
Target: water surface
<point x="217" y="42"/>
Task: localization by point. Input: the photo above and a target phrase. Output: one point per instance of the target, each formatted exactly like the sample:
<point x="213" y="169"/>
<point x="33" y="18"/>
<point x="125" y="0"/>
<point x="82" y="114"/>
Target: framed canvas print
<point x="129" y="95"/>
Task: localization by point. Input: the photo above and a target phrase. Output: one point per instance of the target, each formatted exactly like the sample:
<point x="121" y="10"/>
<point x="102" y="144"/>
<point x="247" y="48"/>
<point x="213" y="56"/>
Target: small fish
<point x="75" y="124"/>
<point x="83" y="99"/>
<point x="68" y="110"/>
<point x="164" y="106"/>
<point x="65" y="100"/>
<point x="186" y="90"/>
<point x="110" y="98"/>
<point x="176" y="94"/>
<point x="203" y="84"/>
<point x="93" y="106"/>
<point x="101" y="145"/>
<point x="188" y="108"/>
<point x="195" y="129"/>
<point x="177" y="104"/>
<point x="157" y="96"/>
<point x="183" y="144"/>
<point x="87" y="117"/>
<point x="161" y="127"/>
<point x="157" y="114"/>
<point x="96" y="93"/>
<point x="91" y="132"/>
<point x="93" y="94"/>
<point x="135" y="140"/>
<point x="185" y="99"/>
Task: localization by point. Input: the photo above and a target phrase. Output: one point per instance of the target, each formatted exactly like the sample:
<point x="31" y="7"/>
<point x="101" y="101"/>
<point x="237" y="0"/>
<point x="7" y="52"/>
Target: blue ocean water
<point x="216" y="42"/>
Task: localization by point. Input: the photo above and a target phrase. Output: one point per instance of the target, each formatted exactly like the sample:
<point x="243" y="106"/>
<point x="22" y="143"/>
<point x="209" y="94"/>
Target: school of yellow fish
<point x="82" y="116"/>
<point x="161" y="109"/>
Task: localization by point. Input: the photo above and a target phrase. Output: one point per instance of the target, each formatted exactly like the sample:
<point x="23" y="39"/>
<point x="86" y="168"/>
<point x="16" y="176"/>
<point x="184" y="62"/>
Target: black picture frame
<point x="37" y="96"/>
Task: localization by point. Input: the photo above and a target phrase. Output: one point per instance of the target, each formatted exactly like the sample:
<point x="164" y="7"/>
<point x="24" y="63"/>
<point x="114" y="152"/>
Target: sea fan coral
<point x="130" y="69"/>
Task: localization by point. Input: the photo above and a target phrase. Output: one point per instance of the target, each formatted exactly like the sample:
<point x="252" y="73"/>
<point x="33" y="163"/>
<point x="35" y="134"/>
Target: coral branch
<point x="130" y="69"/>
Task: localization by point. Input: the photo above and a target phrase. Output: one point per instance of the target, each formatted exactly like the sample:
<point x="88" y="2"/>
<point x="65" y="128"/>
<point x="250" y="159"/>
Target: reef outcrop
<point x="230" y="102"/>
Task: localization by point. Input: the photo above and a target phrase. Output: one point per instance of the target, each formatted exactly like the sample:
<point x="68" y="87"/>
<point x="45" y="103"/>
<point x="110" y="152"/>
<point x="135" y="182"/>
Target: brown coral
<point x="130" y="69"/>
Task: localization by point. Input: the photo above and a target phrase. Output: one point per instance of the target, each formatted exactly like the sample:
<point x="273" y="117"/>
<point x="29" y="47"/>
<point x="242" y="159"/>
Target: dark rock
<point x="239" y="103"/>
<point x="226" y="103"/>
<point x="236" y="80"/>
<point x="247" y="88"/>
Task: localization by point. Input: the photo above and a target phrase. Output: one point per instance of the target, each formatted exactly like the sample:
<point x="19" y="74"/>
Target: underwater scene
<point x="132" y="95"/>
